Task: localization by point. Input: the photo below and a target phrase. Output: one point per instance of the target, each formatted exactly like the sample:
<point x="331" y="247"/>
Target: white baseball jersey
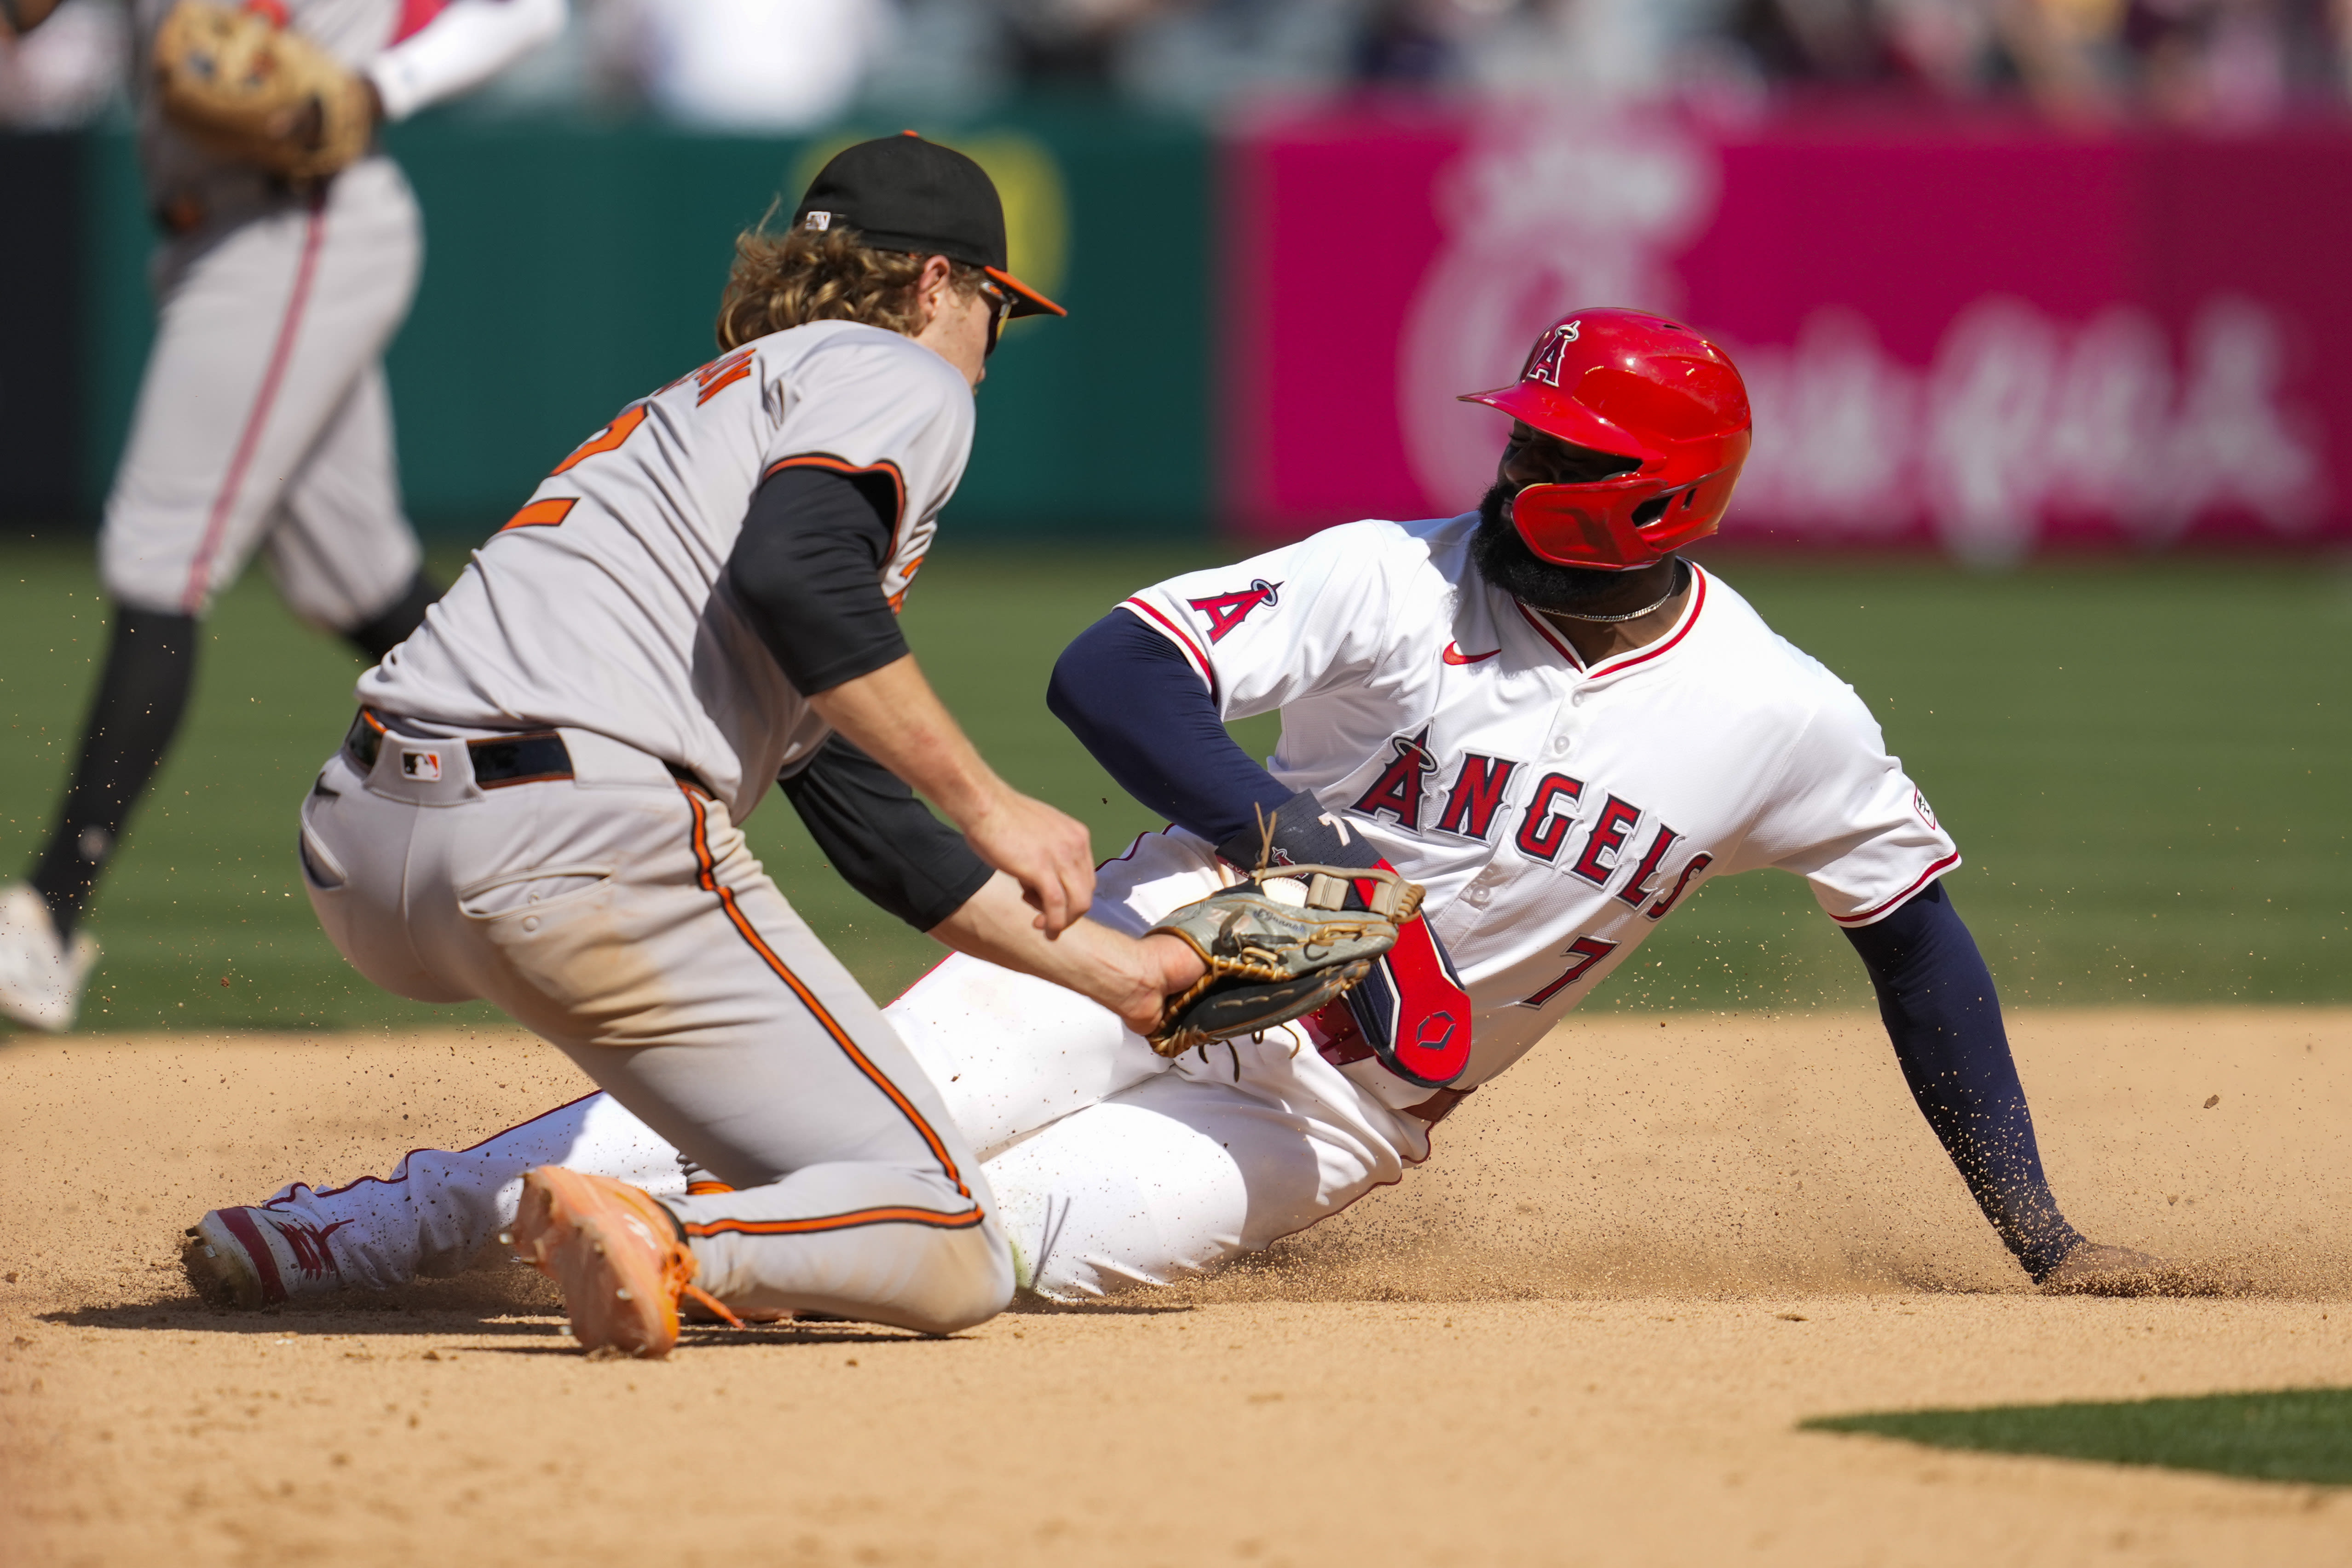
<point x="600" y="605"/>
<point x="1555" y="813"/>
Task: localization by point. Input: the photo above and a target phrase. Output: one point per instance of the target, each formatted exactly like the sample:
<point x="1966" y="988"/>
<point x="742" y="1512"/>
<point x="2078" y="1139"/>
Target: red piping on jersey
<point x="1625" y="661"/>
<point x="1191" y="649"/>
<point x="193" y="596"/>
<point x="1926" y="877"/>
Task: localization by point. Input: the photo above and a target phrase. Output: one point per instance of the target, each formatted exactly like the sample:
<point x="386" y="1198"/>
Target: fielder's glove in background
<point x="242" y="87"/>
<point x="1277" y="947"/>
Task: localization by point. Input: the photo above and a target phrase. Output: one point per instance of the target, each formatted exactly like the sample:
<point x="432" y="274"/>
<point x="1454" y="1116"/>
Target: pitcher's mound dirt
<point x="1581" y="1334"/>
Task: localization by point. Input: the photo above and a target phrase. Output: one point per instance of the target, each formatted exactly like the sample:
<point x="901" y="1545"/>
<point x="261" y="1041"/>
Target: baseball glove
<point x="1279" y="946"/>
<point x="244" y="87"/>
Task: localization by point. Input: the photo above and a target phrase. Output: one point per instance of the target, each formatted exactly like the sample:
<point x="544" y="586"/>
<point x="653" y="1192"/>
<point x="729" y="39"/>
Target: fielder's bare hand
<point x="1046" y="851"/>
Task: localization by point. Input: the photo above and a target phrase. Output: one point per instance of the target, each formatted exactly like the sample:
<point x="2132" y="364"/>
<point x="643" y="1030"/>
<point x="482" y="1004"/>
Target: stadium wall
<point x="571" y="268"/>
<point x="1975" y="333"/>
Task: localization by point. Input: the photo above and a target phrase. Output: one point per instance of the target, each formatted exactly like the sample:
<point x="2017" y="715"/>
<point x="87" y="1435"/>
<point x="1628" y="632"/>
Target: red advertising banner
<point x="1987" y="336"/>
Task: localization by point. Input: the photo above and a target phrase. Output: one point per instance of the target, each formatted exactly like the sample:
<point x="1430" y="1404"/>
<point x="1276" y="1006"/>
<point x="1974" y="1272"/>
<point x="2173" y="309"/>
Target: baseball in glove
<point x="242" y="87"/>
<point x="1279" y="946"/>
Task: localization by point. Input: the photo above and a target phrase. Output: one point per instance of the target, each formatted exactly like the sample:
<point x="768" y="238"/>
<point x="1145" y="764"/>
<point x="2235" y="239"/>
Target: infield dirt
<point x="1581" y="1333"/>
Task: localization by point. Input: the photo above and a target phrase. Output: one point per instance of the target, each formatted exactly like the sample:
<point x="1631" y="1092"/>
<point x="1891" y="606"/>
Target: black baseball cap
<point x="902" y="193"/>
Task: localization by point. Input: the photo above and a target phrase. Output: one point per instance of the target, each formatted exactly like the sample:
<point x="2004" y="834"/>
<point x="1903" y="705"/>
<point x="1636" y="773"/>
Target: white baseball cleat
<point x="40" y="976"/>
<point x="258" y="1257"/>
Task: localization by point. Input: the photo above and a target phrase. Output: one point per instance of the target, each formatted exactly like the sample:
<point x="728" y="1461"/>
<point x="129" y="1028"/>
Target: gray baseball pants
<point x="620" y="915"/>
<point x="263" y="418"/>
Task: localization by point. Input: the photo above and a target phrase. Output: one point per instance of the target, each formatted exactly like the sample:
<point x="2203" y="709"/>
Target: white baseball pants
<point x="1112" y="1168"/>
<point x="263" y="417"/>
<point x="619" y="915"/>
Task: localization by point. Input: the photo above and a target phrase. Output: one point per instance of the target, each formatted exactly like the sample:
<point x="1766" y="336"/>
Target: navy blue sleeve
<point x="1937" y="999"/>
<point x="1136" y="703"/>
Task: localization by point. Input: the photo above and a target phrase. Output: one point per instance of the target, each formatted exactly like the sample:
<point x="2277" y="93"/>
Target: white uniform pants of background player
<point x="1112" y="1168"/>
<point x="619" y="915"/>
<point x="263" y="417"/>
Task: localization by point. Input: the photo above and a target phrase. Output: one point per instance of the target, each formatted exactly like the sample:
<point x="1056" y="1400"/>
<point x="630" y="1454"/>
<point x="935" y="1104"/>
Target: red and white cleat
<point x="255" y="1257"/>
<point x="618" y="1255"/>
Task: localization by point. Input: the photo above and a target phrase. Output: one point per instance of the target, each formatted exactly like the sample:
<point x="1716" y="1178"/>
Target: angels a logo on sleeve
<point x="1226" y="611"/>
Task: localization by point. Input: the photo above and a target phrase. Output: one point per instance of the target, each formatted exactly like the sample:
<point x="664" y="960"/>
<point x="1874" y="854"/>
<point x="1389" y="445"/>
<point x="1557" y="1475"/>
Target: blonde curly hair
<point x="803" y="275"/>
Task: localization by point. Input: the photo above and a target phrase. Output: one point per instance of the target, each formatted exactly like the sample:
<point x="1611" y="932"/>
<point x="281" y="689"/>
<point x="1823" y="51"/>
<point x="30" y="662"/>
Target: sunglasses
<point x="1000" y="310"/>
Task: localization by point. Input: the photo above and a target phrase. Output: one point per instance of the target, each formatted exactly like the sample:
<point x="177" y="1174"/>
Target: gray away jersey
<point x="600" y="605"/>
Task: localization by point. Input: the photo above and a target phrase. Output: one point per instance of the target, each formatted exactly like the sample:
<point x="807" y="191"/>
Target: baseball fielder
<point x="537" y="804"/>
<point x="288" y="260"/>
<point x="1536" y="709"/>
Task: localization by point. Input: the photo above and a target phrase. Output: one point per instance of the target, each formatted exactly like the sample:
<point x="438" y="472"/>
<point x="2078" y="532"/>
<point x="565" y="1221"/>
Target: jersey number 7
<point x="1587" y="951"/>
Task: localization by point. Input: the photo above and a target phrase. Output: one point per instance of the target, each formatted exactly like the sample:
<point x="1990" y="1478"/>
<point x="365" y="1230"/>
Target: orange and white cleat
<point x="618" y="1255"/>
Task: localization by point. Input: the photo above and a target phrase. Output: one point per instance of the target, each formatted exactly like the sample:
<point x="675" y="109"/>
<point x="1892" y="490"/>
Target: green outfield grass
<point x="2297" y="1434"/>
<point x="2144" y="761"/>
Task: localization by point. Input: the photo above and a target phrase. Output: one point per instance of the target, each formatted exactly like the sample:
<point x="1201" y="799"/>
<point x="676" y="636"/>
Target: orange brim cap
<point x="1026" y="301"/>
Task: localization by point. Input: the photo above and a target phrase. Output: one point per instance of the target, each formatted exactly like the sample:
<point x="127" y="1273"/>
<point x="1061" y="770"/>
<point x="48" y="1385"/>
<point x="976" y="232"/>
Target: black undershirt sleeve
<point x="1935" y="997"/>
<point x="883" y="841"/>
<point x="806" y="571"/>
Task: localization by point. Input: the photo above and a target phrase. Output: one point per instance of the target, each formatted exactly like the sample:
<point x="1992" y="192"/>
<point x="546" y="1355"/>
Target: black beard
<point x="1504" y="559"/>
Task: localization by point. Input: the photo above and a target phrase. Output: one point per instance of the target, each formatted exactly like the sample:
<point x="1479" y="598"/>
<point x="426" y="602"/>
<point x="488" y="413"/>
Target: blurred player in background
<point x="263" y="422"/>
<point x="1537" y="711"/>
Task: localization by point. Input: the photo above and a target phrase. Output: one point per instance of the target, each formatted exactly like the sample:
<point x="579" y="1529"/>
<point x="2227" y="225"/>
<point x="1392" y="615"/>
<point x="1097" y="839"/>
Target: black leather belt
<point x="531" y="756"/>
<point x="528" y="756"/>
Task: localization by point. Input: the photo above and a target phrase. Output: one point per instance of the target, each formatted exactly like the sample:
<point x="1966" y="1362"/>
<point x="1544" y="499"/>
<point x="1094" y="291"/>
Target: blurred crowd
<point x="789" y="65"/>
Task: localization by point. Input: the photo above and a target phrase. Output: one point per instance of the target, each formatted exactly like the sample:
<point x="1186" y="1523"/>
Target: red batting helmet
<point x="1640" y="386"/>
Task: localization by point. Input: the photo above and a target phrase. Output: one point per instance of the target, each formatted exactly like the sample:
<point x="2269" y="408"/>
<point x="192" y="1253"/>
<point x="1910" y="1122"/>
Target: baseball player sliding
<point x="290" y="250"/>
<point x="1536" y="709"/>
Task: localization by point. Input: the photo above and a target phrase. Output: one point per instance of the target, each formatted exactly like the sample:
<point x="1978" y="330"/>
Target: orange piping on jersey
<point x="1191" y="649"/>
<point x="1926" y="877"/>
<point x="623" y="425"/>
<point x="900" y="598"/>
<point x="817" y="1010"/>
<point x="541" y="513"/>
<point x="850" y="1221"/>
<point x="832" y="464"/>
<point x="706" y="1189"/>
